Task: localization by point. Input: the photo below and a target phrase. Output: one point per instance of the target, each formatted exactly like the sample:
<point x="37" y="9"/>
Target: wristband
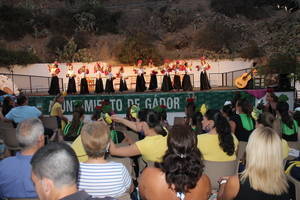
<point x="223" y="181"/>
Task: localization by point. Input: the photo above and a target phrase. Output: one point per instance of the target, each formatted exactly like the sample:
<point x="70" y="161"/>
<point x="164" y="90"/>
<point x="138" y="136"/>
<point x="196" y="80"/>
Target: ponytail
<point x="224" y="131"/>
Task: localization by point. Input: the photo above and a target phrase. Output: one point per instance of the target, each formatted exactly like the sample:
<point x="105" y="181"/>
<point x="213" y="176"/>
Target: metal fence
<point x="31" y="83"/>
<point x="226" y="79"/>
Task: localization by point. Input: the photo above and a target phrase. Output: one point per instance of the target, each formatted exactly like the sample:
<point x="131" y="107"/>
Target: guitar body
<point x="242" y="81"/>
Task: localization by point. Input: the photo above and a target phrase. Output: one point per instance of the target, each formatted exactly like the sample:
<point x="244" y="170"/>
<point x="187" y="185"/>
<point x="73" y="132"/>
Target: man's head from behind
<point x="55" y="171"/>
<point x="30" y="134"/>
<point x="22" y="100"/>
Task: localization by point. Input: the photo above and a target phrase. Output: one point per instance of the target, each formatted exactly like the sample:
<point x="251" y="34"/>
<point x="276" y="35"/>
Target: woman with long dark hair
<point x="218" y="144"/>
<point x="271" y="105"/>
<point x="72" y="129"/>
<point x="180" y="174"/>
<point x="244" y="123"/>
<point x="289" y="126"/>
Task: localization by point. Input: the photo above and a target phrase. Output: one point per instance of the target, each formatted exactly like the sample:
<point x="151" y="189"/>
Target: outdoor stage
<point x="174" y="101"/>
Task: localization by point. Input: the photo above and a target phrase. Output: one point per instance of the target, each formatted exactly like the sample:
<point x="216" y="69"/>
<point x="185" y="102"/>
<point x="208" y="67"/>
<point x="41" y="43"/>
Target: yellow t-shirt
<point x="209" y="146"/>
<point x="285" y="148"/>
<point x="152" y="148"/>
<point x="54" y="112"/>
<point x="79" y="150"/>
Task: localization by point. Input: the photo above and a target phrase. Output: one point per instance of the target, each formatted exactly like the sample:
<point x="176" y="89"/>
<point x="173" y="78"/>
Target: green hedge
<point x="8" y="57"/>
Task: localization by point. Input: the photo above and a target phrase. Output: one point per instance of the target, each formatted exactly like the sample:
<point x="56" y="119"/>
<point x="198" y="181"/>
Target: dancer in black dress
<point x="153" y="78"/>
<point x="109" y="85"/>
<point x="167" y="83"/>
<point x="54" y="85"/>
<point x="121" y="75"/>
<point x="177" y="82"/>
<point x="84" y="88"/>
<point x="140" y="80"/>
<point x="186" y="81"/>
<point x="98" y="69"/>
<point x="71" y="75"/>
<point x="204" y="82"/>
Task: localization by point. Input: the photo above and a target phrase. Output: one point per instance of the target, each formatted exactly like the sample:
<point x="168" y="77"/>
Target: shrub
<point x="8" y="57"/>
<point x="217" y="36"/>
<point x="56" y="43"/>
<point x="63" y="23"/>
<point x="15" y="23"/>
<point x="138" y="47"/>
<point x="71" y="53"/>
<point x="252" y="51"/>
<point x="174" y="19"/>
<point x="82" y="40"/>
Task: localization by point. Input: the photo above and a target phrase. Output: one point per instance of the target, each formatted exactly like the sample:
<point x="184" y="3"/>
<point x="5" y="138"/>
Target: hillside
<point x="123" y="31"/>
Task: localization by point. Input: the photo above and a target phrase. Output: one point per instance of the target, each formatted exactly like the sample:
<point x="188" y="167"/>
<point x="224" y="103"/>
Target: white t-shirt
<point x="101" y="180"/>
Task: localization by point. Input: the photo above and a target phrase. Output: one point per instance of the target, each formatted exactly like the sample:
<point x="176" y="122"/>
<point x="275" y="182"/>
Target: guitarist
<point x="250" y="84"/>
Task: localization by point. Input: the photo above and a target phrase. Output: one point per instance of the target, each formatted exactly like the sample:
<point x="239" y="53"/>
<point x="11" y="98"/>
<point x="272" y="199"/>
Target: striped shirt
<point x="101" y="180"/>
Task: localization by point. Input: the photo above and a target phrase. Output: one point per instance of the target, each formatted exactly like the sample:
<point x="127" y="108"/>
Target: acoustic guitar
<point x="242" y="81"/>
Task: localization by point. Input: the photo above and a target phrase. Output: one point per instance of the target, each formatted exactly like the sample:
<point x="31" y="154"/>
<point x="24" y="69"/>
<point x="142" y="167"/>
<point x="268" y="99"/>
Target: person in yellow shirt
<point x="219" y="144"/>
<point x="57" y="111"/>
<point x="152" y="147"/>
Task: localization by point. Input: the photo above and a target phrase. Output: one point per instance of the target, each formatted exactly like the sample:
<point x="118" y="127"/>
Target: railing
<point x="31" y="83"/>
<point x="226" y="79"/>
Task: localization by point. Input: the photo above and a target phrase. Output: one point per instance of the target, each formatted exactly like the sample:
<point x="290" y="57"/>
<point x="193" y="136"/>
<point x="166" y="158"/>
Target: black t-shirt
<point x="240" y="132"/>
<point x="246" y="192"/>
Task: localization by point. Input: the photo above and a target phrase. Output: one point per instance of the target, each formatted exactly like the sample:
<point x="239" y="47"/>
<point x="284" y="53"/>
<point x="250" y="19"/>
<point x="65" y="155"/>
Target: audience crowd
<point x="142" y="156"/>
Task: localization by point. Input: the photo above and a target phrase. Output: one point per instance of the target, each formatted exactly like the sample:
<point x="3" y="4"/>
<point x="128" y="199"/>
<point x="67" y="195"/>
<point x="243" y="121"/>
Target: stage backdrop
<point x="175" y="102"/>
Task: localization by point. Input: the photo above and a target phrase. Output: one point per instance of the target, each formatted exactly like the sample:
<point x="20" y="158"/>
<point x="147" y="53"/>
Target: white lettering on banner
<point x="148" y="103"/>
<point x="130" y="102"/>
<point x="112" y="101"/>
<point x="137" y="102"/>
<point x="119" y="105"/>
<point x="155" y="103"/>
<point x="176" y="103"/>
<point x="88" y="105"/>
<point x="68" y="106"/>
<point x="169" y="103"/>
<point x="162" y="101"/>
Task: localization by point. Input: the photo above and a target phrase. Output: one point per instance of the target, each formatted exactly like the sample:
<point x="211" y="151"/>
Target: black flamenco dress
<point x="123" y="85"/>
<point x="109" y="85"/>
<point x="99" y="83"/>
<point x="140" y="82"/>
<point x="84" y="88"/>
<point x="177" y="82"/>
<point x="167" y="83"/>
<point x="54" y="86"/>
<point x="153" y="81"/>
<point x="204" y="82"/>
<point x="186" y="83"/>
<point x="71" y="86"/>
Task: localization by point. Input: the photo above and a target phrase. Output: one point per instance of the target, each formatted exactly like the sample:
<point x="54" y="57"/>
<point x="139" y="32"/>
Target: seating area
<point x="133" y="148"/>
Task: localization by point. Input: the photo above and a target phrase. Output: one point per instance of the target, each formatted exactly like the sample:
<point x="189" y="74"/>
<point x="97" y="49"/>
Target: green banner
<point x="174" y="101"/>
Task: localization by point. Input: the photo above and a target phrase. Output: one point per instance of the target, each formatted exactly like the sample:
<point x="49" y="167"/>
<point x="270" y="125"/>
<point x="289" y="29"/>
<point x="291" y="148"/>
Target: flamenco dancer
<point x="71" y="75"/>
<point x="153" y="79"/>
<point x="186" y="81"/>
<point x="98" y="69"/>
<point x="140" y="80"/>
<point x="121" y="75"/>
<point x="109" y="85"/>
<point x="176" y="80"/>
<point x="83" y="71"/>
<point x="54" y="85"/>
<point x="204" y="82"/>
<point x="167" y="83"/>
